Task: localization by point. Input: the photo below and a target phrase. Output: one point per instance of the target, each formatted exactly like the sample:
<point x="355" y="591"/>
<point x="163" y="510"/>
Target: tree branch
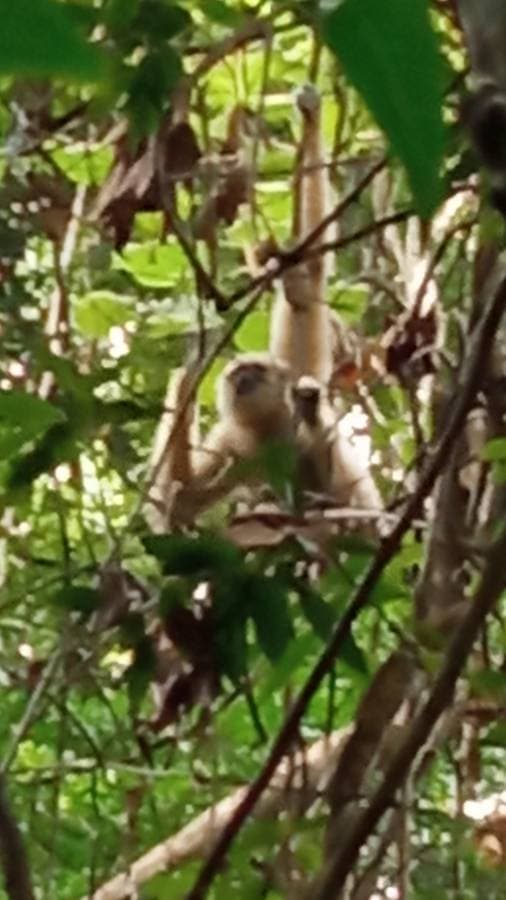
<point x="492" y="585"/>
<point x="306" y="772"/>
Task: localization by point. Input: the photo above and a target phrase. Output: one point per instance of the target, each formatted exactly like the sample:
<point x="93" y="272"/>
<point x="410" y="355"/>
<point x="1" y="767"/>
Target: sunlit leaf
<point x="495" y="450"/>
<point x="98" y="311"/>
<point x="253" y="334"/>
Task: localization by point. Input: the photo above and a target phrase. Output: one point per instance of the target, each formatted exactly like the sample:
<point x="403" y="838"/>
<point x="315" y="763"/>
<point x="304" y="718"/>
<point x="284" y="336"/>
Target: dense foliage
<point x="113" y="272"/>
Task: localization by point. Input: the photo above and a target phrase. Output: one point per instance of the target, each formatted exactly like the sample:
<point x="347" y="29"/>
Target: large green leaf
<point x="38" y="38"/>
<point x="182" y="555"/>
<point x="98" y="311"/>
<point x="390" y="54"/>
<point x="24" y="417"/>
<point x="268" y="607"/>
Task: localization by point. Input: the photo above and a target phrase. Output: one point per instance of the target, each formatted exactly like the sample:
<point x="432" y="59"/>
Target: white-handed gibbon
<point x="254" y="408"/>
<point x="281" y="396"/>
<point x="301" y="335"/>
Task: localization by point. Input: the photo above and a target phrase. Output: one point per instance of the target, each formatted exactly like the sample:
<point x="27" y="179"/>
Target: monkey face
<point x="247" y="378"/>
<point x="253" y="385"/>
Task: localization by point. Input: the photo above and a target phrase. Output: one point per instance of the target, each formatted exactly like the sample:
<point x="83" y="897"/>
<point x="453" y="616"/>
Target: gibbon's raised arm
<point x="300" y="332"/>
<point x="171" y="464"/>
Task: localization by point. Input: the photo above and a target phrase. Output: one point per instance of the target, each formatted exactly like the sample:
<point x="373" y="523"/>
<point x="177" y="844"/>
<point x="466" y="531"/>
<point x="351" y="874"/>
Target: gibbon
<point x="254" y="408"/>
<point x="301" y="335"/>
<point x="280" y="396"/>
<point x="253" y="403"/>
<point x="328" y="463"/>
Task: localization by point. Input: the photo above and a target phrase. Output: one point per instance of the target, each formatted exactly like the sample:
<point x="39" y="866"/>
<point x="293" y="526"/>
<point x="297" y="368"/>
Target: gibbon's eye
<point x="246" y="378"/>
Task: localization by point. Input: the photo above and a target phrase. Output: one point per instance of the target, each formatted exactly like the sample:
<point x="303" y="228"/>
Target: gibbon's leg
<point x="254" y="408"/>
<point x="329" y="463"/>
<point x="171" y="465"/>
<point x="300" y="332"/>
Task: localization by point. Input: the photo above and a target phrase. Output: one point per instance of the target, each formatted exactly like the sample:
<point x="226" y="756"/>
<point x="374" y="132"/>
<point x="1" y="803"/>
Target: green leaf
<point x="181" y="555"/>
<point x="151" y="265"/>
<point x="83" y="164"/>
<point x="267" y="600"/>
<point x="351" y="302"/>
<point x="23" y="418"/>
<point x="253" y="335"/>
<point x="149" y="89"/>
<point x="172" y="596"/>
<point x="231" y="648"/>
<point x="142" y="672"/>
<point x="160" y="21"/>
<point x="79" y="599"/>
<point x="390" y="54"/>
<point x="98" y="311"/>
<point x="120" y="13"/>
<point x="489" y="683"/>
<point x="320" y="615"/>
<point x="295" y="655"/>
<point x="206" y="394"/>
<point x="352" y="655"/>
<point x="495" y="450"/>
<point x="219" y="12"/>
<point x="38" y="38"/>
<point x="496" y="735"/>
<point x="276" y="461"/>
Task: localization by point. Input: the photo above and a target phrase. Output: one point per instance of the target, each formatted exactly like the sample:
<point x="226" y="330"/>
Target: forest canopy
<point x="286" y="677"/>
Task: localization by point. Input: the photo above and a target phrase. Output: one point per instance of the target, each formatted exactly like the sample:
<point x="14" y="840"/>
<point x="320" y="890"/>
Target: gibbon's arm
<point x="329" y="463"/>
<point x="171" y="459"/>
<point x="300" y="332"/>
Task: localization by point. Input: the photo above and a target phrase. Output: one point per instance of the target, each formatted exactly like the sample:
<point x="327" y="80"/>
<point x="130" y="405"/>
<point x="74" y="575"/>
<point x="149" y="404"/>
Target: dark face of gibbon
<point x="247" y="378"/>
<point x="253" y="387"/>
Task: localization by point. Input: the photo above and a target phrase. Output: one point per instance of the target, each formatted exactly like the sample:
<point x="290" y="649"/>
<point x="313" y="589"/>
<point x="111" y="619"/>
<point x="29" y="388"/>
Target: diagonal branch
<point x="492" y="585"/>
<point x="305" y="772"/>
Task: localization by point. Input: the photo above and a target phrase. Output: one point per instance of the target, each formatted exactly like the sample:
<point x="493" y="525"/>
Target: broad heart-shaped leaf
<point x="79" y="599"/>
<point x="320" y="614"/>
<point x="180" y="555"/>
<point x="268" y="608"/>
<point x="38" y="37"/>
<point x="98" y="311"/>
<point x="389" y="53"/>
<point x="24" y="417"/>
